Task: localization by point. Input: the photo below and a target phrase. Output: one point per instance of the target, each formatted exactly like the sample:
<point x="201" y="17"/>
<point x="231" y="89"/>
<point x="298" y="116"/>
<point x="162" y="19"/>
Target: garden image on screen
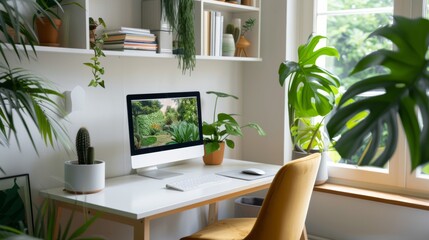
<point x="164" y="121"/>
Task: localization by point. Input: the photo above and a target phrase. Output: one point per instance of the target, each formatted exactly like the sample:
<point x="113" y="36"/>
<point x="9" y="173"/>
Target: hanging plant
<point x="180" y="16"/>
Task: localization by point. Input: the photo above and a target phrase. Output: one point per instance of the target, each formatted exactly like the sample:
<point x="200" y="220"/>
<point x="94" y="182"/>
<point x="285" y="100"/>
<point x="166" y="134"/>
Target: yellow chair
<point x="283" y="212"/>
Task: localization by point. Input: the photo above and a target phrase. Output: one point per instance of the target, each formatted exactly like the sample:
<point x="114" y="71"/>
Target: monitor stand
<point x="154" y="172"/>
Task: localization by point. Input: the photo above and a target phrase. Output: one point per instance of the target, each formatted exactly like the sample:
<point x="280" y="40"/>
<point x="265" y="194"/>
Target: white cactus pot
<point x="84" y="178"/>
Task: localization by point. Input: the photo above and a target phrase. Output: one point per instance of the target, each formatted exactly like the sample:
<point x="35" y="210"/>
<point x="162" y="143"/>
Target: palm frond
<point x="26" y="96"/>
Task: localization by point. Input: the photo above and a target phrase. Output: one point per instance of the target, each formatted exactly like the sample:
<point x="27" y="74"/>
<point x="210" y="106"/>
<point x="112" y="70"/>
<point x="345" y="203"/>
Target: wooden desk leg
<point x="304" y="235"/>
<point x="57" y="219"/>
<point x="213" y="208"/>
<point x="142" y="230"/>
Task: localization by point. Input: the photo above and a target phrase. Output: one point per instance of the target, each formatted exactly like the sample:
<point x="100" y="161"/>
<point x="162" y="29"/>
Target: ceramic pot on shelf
<point x="228" y="45"/>
<point x="241" y="46"/>
<point x="47" y="34"/>
<point x="247" y="2"/>
<point x="216" y="157"/>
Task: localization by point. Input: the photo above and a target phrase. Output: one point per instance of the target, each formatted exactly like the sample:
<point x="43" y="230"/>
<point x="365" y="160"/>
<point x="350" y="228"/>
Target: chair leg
<point x="304" y="234"/>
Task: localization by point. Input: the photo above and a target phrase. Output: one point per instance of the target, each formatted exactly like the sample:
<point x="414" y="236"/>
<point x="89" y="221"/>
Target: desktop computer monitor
<point x="164" y="128"/>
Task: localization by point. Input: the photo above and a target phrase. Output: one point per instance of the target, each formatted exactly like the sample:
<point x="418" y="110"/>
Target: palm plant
<point x="404" y="93"/>
<point x="46" y="226"/>
<point x="312" y="92"/>
<point x="23" y="95"/>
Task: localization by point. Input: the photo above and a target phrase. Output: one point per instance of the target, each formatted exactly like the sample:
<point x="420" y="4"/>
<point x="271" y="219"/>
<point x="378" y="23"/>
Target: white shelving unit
<point x="74" y="34"/>
<point x="229" y="11"/>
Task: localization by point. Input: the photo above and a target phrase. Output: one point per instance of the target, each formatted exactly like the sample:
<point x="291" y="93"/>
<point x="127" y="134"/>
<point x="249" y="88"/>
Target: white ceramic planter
<point x="84" y="178"/>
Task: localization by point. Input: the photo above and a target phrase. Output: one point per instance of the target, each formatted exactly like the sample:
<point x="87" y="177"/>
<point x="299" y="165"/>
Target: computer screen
<point x="164" y="128"/>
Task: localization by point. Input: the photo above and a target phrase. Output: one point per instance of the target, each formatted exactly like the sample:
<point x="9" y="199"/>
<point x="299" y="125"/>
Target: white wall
<point x="105" y="117"/>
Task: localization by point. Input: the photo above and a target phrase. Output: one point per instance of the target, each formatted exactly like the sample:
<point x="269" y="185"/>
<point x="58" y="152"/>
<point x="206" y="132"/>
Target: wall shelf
<point x="74" y="35"/>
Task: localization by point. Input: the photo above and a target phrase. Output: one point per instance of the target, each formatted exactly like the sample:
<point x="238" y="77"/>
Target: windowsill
<point x="376" y="196"/>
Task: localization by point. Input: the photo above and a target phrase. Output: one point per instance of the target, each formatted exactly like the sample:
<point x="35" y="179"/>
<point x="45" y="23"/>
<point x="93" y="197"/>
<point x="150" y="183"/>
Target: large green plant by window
<point x="404" y="93"/>
<point x="312" y="92"/>
<point x="25" y="97"/>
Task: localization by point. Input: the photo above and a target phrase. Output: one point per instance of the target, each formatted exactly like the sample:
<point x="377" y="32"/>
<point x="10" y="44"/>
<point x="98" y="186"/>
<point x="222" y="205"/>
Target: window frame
<point x="398" y="173"/>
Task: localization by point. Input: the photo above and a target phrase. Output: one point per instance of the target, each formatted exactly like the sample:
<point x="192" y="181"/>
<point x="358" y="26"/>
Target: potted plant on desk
<point x="85" y="175"/>
<point x="217" y="133"/>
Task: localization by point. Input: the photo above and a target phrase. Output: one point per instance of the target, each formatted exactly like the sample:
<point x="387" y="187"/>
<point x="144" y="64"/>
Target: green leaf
<point x="404" y="87"/>
<point x="210" y="147"/>
<point x="221" y="94"/>
<point x="230" y="143"/>
<point x="312" y="90"/>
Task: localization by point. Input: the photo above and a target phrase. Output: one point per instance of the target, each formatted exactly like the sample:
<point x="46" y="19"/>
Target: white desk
<point x="135" y="200"/>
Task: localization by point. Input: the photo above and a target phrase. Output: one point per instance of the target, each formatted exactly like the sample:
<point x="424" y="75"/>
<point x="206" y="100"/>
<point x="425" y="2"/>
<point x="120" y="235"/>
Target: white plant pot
<point x="322" y="173"/>
<point x="84" y="178"/>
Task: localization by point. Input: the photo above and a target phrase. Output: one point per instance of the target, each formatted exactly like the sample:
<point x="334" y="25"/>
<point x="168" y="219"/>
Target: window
<point x="347" y="24"/>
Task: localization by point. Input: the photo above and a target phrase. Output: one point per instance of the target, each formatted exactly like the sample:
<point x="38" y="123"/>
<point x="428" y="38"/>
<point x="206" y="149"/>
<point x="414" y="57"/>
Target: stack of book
<point x="213" y="33"/>
<point x="125" y="38"/>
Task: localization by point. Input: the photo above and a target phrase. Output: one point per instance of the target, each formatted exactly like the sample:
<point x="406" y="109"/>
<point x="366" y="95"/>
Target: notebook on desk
<point x="239" y="175"/>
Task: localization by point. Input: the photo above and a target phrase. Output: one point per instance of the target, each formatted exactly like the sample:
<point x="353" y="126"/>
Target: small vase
<point x="241" y="46"/>
<point x="216" y="157"/>
<point x="47" y="34"/>
<point x="228" y="45"/>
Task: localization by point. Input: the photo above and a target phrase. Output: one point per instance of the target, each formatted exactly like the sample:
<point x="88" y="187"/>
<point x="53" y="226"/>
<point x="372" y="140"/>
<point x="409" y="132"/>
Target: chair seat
<point x="226" y="229"/>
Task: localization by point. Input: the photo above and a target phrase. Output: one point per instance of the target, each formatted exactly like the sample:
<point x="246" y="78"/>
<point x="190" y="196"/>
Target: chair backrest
<point x="283" y="212"/>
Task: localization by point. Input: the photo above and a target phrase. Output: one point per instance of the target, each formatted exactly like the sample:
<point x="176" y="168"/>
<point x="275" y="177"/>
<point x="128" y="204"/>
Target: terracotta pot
<point x="46" y="33"/>
<point x="216" y="157"/>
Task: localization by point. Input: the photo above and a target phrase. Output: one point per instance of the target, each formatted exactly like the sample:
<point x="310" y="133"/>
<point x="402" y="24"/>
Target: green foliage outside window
<point x="349" y="35"/>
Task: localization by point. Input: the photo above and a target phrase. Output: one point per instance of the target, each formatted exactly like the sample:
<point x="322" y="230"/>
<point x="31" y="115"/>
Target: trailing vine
<point x="97" y="46"/>
<point x="180" y="16"/>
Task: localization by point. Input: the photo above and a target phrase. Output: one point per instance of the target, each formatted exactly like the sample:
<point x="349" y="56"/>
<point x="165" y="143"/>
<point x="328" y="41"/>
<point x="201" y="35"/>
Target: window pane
<point x="347" y="25"/>
<point x="348" y="28"/>
<point x="357" y="4"/>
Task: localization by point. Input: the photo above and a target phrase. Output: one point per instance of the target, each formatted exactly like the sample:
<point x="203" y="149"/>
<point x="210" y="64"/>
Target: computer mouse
<point x="253" y="171"/>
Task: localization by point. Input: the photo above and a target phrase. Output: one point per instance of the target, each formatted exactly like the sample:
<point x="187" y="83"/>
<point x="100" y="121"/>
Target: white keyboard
<point x="197" y="182"/>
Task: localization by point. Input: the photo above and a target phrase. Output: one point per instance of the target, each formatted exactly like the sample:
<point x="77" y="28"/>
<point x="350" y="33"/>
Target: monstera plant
<point x="404" y="92"/>
<point x="312" y="92"/>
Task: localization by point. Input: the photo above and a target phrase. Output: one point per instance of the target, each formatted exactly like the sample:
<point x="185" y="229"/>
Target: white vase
<point x="322" y="173"/>
<point x="84" y="178"/>
<point x="228" y="45"/>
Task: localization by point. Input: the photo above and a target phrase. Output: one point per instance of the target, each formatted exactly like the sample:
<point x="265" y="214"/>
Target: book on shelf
<point x="216" y="33"/>
<point x="128" y="30"/>
<point x="131" y="45"/>
<point x="206" y="35"/>
<point x="131" y="37"/>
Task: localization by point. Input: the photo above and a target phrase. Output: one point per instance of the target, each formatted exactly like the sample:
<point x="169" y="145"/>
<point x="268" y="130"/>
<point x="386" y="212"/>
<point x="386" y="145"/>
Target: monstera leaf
<point x="311" y="89"/>
<point x="404" y="93"/>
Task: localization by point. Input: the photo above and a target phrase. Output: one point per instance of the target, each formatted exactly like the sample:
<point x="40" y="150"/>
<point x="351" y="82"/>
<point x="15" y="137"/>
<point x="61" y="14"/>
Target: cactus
<point x="85" y="153"/>
<point x="229" y="29"/>
<point x="235" y="31"/>
<point x="90" y="155"/>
